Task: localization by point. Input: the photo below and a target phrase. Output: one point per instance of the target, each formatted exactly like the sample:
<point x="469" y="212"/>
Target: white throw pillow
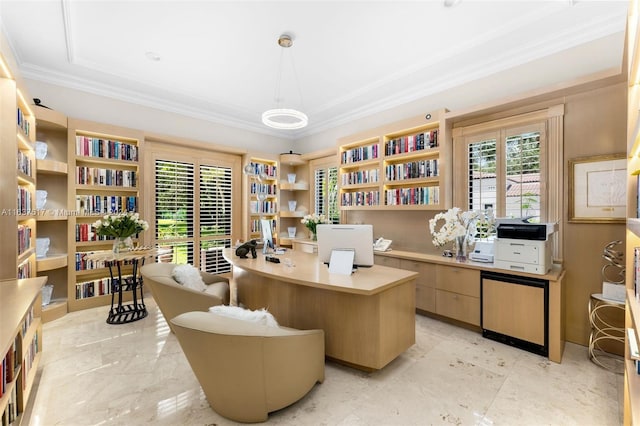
<point x="188" y="276"/>
<point x="260" y="316"/>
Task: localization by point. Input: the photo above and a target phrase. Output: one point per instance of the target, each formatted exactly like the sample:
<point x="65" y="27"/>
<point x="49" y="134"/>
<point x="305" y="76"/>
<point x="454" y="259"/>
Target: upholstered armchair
<point x="174" y="298"/>
<point x="247" y="369"/>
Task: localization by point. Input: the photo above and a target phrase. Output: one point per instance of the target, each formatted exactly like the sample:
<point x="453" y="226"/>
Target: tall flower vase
<point x="122" y="245"/>
<point x="314" y="236"/>
<point x="460" y="247"/>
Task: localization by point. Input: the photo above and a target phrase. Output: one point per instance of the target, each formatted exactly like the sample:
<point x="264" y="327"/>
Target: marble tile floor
<point x="93" y="373"/>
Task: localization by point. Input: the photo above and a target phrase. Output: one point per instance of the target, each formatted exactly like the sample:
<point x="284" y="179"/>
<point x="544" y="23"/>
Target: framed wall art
<point x="598" y="189"/>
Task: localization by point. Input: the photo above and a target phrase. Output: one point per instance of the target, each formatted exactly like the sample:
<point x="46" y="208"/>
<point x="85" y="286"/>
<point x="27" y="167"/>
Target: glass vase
<point x="122" y="245"/>
<point x="460" y="247"/>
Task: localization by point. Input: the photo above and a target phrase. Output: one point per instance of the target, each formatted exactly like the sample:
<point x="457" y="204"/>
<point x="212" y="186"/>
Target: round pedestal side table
<point x="606" y="318"/>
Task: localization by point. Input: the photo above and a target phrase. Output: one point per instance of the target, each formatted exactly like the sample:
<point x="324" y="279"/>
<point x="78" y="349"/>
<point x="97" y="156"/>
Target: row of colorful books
<point x="9" y="367"/>
<point x="97" y="287"/>
<point x="24" y="200"/>
<point x="360" y="176"/>
<point x="360" y="153"/>
<point x="24" y="163"/>
<point x="23" y="123"/>
<point x="360" y="198"/>
<point x="105" y="148"/>
<point x="24" y="238"/>
<point x="91" y="204"/>
<point x="412" y="170"/>
<point x="84" y="264"/>
<point x="259" y="169"/>
<point x="411" y="143"/>
<point x="427" y="195"/>
<point x="106" y="177"/>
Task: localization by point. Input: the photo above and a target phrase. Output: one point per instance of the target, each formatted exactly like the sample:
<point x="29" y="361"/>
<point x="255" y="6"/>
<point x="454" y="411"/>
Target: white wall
<point x="87" y="106"/>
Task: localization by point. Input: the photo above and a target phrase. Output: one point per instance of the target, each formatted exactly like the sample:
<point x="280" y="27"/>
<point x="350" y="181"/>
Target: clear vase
<point x="122" y="245"/>
<point x="460" y="247"/>
<point x="314" y="236"/>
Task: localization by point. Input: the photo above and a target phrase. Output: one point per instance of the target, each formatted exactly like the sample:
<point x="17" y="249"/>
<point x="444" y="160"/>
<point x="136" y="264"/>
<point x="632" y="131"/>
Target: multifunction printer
<point x="523" y="246"/>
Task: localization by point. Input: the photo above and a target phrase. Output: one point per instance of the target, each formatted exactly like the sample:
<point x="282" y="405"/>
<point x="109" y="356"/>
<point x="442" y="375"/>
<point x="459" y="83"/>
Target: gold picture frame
<point x="597" y="189"/>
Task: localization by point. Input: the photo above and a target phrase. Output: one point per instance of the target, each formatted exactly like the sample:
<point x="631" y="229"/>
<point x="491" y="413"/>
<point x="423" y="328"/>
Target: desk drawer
<point x="458" y="280"/>
<point x="425" y="298"/>
<point x="427" y="271"/>
<point x="457" y="306"/>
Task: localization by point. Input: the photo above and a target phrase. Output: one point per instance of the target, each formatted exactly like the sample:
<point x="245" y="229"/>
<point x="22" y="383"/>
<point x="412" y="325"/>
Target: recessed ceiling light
<point x="451" y="3"/>
<point x="152" y="56"/>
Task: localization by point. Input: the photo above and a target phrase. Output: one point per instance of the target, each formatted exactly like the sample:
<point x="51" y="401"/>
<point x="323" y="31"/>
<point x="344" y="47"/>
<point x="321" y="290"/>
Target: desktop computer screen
<point x="358" y="238"/>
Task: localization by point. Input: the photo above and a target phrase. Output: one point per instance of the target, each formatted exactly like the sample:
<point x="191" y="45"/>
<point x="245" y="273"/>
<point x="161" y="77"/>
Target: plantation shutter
<point x="174" y="185"/>
<point x="482" y="174"/>
<point x="215" y="217"/>
<point x="523" y="190"/>
<point x="326" y="193"/>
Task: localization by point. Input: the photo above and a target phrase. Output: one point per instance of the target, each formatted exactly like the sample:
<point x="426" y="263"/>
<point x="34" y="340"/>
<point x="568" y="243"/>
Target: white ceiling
<point x="219" y="60"/>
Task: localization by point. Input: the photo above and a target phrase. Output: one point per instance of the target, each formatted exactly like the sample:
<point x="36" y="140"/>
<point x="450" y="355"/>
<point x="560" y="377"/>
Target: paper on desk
<point x="341" y="261"/>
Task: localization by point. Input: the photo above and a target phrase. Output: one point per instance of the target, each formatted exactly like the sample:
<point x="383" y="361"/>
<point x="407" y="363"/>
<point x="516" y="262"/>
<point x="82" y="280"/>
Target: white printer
<point x="523" y="246"/>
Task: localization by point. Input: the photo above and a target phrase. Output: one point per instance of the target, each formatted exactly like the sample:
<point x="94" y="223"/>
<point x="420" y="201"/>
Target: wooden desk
<point x="368" y="317"/>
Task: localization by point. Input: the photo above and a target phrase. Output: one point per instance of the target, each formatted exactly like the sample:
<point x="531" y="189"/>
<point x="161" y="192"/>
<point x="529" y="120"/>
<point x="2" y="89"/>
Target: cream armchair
<point x="173" y="298"/>
<point x="246" y="369"/>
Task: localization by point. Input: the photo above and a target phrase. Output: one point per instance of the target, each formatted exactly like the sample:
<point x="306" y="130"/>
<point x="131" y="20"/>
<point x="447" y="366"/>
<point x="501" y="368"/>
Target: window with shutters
<point x="194" y="212"/>
<point x="325" y="188"/>
<point x="513" y="165"/>
<point x="504" y="172"/>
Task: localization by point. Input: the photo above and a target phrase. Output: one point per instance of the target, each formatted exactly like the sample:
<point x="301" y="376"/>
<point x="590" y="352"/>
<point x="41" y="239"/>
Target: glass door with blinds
<point x="194" y="212"/>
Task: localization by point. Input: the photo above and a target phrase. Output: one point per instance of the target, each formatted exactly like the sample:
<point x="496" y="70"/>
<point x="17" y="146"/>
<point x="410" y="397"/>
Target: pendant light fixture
<point x="284" y="118"/>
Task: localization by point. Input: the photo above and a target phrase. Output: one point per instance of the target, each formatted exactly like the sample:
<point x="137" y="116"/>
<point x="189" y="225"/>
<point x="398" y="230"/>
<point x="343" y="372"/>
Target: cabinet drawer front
<point x="518" y="252"/>
<point x="457" y="306"/>
<point x="392" y="262"/>
<point x="425" y="298"/>
<point x="458" y="280"/>
<point x="427" y="271"/>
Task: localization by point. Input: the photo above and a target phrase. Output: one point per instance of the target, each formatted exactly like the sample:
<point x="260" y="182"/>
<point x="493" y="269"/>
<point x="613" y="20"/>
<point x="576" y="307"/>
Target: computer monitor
<point x="267" y="237"/>
<point x="358" y="238"/>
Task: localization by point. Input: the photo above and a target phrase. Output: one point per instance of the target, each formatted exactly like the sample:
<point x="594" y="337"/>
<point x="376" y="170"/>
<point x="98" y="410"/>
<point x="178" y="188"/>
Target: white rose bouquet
<point x="120" y="225"/>
<point x="311" y="221"/>
<point x="459" y="224"/>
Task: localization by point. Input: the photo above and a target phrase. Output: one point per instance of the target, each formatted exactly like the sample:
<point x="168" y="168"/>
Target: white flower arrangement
<point x="120" y="225"/>
<point x="460" y="224"/>
<point x="311" y="221"/>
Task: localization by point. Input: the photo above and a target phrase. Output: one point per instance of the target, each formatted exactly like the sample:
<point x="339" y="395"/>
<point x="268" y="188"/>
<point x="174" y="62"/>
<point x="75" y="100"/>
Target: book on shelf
<point x="87" y="146"/>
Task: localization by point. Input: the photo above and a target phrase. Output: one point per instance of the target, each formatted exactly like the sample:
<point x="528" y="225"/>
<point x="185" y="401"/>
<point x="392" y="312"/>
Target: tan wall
<point x="594" y="124"/>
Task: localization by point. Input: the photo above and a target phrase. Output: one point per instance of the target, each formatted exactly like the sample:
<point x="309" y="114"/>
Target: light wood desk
<point x="368" y="317"/>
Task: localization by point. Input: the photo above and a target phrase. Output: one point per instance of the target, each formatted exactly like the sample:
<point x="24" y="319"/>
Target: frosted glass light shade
<point x="283" y="118"/>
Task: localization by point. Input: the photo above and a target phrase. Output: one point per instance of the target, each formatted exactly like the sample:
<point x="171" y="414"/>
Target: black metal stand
<point x="129" y="312"/>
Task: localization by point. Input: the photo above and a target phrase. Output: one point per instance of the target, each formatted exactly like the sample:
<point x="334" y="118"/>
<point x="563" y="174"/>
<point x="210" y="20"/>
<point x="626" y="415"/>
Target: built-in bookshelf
<point x="398" y="166"/>
<point x="294" y="197"/>
<point x="21" y="344"/>
<point x="52" y="216"/>
<point x="105" y="178"/>
<point x="632" y="277"/>
<point x="26" y="203"/>
<point x="261" y="175"/>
